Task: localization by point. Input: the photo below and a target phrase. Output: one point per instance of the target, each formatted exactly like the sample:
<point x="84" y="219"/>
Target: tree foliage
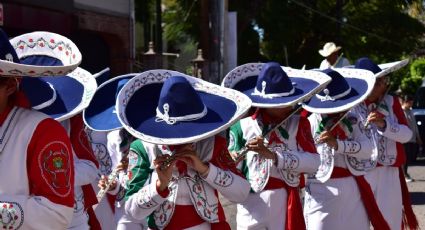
<point x="294" y="30"/>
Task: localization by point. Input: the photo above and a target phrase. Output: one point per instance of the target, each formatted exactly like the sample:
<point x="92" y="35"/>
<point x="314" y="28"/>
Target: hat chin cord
<point x="172" y="120"/>
<point x="327" y="97"/>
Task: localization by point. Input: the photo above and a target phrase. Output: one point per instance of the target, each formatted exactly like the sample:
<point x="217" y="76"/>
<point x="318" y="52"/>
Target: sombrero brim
<point x="102" y="76"/>
<point x="137" y="102"/>
<point x="391" y="67"/>
<point x="361" y="83"/>
<point x="42" y="44"/>
<point x="306" y="83"/>
<point x="73" y="93"/>
<point x="100" y="115"/>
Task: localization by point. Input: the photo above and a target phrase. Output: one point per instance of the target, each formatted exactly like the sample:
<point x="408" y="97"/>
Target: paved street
<point x="416" y="188"/>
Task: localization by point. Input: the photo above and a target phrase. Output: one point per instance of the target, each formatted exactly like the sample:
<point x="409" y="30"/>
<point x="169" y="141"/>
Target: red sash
<point x="294" y="211"/>
<point x="376" y="218"/>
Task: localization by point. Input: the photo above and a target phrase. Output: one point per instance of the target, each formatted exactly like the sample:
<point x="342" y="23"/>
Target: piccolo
<point x="110" y="179"/>
<point x="316" y="139"/>
<point x="165" y="164"/>
<point x="244" y="150"/>
<point x="367" y="123"/>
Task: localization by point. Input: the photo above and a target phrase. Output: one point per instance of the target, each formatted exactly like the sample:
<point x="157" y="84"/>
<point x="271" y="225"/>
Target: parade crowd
<point x="154" y="150"/>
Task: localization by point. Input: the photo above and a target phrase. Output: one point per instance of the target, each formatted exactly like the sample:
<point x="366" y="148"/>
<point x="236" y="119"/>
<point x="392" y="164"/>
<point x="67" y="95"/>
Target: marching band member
<point x="101" y="120"/>
<point x="338" y="196"/>
<point x="277" y="152"/>
<point x="180" y="162"/>
<point x="63" y="98"/>
<point x="36" y="162"/>
<point x="383" y="115"/>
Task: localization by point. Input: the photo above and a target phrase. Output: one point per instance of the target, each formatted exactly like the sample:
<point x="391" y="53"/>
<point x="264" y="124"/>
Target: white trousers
<point x="263" y="210"/>
<point x="335" y="204"/>
<point x="385" y="185"/>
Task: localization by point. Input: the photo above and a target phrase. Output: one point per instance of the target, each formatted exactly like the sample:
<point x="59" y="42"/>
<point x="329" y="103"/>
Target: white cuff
<point x="148" y="197"/>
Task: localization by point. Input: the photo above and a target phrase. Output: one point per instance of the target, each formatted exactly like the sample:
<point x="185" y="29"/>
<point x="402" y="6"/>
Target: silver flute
<point x="165" y="164"/>
<point x="110" y="179"/>
<point x="381" y="99"/>
<point x="317" y="138"/>
<point x="244" y="150"/>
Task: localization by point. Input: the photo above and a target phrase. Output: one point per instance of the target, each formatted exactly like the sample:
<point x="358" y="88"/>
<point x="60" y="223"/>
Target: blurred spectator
<point x="332" y="57"/>
<point x="411" y="148"/>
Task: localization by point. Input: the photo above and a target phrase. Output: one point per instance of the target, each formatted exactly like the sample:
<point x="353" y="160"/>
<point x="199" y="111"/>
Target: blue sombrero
<point x="102" y="76"/>
<point x="101" y="115"/>
<point x="269" y="85"/>
<point x="347" y="88"/>
<point x="60" y="97"/>
<point x="379" y="70"/>
<point x="37" y="44"/>
<point x="168" y="107"/>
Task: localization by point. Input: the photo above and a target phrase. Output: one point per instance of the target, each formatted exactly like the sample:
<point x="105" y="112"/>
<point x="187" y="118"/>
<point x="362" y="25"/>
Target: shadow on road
<point x="417" y="198"/>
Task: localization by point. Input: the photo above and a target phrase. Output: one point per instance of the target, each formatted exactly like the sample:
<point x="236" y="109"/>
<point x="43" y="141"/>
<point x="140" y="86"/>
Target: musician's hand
<point x="164" y="174"/>
<point x="376" y="118"/>
<point x="189" y="156"/>
<point x="327" y="138"/>
<point x="103" y="182"/>
<point x="257" y="145"/>
<point x="122" y="166"/>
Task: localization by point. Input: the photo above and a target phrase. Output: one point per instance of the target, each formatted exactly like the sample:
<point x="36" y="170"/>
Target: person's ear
<point x="12" y="86"/>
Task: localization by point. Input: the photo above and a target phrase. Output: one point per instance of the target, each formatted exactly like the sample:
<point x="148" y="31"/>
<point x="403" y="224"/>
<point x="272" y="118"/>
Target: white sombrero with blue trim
<point x="169" y="107"/>
<point x="40" y="44"/>
<point x="101" y="115"/>
<point x="270" y="85"/>
<point x="348" y="88"/>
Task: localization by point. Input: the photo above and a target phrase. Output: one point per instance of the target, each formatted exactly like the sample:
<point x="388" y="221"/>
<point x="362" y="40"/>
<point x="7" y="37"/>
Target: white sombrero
<point x="40" y="44"/>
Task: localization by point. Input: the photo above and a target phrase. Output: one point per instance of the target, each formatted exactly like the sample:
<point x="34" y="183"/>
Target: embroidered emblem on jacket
<point x="54" y="162"/>
<point x="11" y="215"/>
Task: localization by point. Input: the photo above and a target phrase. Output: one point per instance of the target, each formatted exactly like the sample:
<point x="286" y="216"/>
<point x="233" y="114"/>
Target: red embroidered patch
<point x="55" y="165"/>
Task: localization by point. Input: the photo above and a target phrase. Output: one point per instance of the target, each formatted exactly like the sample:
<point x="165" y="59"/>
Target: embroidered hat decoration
<point x="270" y="85"/>
<point x="347" y="88"/>
<point x="328" y="49"/>
<point x="101" y="114"/>
<point x="382" y="69"/>
<point x="168" y="107"/>
<point x="37" y="44"/>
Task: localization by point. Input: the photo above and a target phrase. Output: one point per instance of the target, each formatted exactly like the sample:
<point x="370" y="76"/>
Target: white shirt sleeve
<point x="85" y="171"/>
<point x="38" y="212"/>
<point x="230" y="185"/>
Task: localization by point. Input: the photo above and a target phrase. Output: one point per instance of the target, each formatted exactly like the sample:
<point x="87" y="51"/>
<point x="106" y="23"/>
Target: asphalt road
<point x="416" y="189"/>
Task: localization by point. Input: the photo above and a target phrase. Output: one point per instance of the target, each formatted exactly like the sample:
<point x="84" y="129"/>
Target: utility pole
<point x="158" y="27"/>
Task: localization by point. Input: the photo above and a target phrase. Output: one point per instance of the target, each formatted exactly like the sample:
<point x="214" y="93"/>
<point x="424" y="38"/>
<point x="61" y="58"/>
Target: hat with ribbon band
<point x="37" y="44"/>
<point x="379" y="70"/>
<point x="269" y="85"/>
<point x="168" y="107"/>
<point x="101" y="115"/>
<point x="348" y="88"/>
